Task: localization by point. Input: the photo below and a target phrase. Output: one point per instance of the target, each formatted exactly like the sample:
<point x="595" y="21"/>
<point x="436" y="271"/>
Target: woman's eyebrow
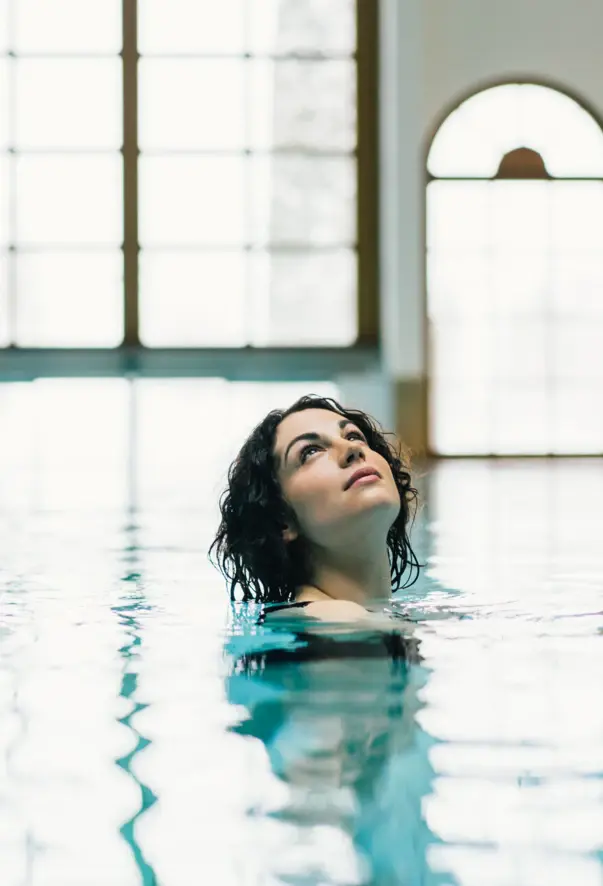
<point x="312" y="435"/>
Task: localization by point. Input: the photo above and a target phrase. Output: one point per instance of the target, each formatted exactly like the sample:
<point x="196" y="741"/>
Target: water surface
<point x="152" y="734"/>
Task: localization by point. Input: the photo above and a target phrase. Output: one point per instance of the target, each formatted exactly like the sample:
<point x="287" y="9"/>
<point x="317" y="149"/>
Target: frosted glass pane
<point x="191" y="299"/>
<point x="4" y="107"/>
<point x="459" y="284"/>
<point x="475" y="137"/>
<point x="63" y="26"/>
<point x="462" y="351"/>
<point x="568" y="138"/>
<point x="192" y="26"/>
<point x="578" y="418"/>
<point x="4" y="324"/>
<point x="69" y="199"/>
<point x="298" y="104"/>
<point x="69" y="300"/>
<point x="181" y="108"/>
<point x="521" y="349"/>
<point x="305" y="201"/>
<point x="188" y="200"/>
<point x="577" y="282"/>
<point x="305" y="298"/>
<point x="520" y="214"/>
<point x="576" y="210"/>
<point x="5" y="208"/>
<point x="460" y="419"/>
<point x="521" y="419"/>
<point x="68" y="103"/>
<point x="4" y="47"/>
<point x="303" y="26"/>
<point x="577" y="350"/>
<point x="459" y="214"/>
<point x="520" y="282"/>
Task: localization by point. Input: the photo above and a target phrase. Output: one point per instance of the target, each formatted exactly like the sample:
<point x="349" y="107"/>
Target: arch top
<point x="475" y="137"/>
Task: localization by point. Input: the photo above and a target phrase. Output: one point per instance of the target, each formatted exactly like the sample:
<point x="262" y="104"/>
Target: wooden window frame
<point x="366" y="154"/>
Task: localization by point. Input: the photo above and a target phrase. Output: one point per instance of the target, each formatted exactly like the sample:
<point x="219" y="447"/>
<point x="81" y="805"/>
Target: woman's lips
<point x="363" y="474"/>
<point x="367" y="478"/>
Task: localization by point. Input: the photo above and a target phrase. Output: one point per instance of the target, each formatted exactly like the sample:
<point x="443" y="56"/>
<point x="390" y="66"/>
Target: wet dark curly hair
<point x="249" y="549"/>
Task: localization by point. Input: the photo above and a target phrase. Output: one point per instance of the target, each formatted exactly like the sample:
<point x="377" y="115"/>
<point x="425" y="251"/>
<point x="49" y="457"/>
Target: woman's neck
<point x="361" y="581"/>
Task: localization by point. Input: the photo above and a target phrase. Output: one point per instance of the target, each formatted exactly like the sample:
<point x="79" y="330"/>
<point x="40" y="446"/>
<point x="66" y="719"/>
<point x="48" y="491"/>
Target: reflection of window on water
<point x="515" y="275"/>
<point x="246" y="177"/>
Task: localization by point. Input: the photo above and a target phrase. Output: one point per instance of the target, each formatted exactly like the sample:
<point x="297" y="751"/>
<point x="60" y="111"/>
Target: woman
<point x="314" y="523"/>
<point x="316" y="513"/>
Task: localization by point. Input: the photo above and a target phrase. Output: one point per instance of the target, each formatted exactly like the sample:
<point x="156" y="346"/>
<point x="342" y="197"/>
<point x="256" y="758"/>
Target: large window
<point x="515" y="276"/>
<point x="189" y="166"/>
<point x="60" y="173"/>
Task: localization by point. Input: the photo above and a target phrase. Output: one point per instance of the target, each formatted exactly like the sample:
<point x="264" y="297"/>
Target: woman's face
<point x="317" y="453"/>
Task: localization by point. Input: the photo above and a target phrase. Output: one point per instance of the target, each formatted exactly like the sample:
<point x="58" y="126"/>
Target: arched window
<point x="515" y="276"/>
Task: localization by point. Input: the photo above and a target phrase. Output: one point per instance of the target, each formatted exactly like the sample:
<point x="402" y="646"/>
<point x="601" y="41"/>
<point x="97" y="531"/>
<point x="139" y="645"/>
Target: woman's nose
<point x="352" y="453"/>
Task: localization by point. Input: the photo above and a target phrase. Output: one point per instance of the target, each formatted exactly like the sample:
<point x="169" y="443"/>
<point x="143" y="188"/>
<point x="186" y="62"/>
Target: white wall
<point x="433" y="54"/>
<point x="469" y="43"/>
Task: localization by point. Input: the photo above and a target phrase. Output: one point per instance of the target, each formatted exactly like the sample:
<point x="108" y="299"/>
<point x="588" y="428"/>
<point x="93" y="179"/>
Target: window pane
<point x="274" y="26"/>
<point x="578" y="418"/>
<point x="300" y="200"/>
<point x="469" y="204"/>
<point x="462" y="351"/>
<point x="193" y="299"/>
<point x="69" y="300"/>
<point x="4" y="118"/>
<point x="5" y="188"/>
<point x="577" y="350"/>
<point x="4" y="327"/>
<point x="69" y="199"/>
<point x="520" y="282"/>
<point x="576" y="215"/>
<point x="475" y="137"/>
<point x="303" y="26"/>
<point x="180" y="107"/>
<point x="520" y="214"/>
<point x="4" y="47"/>
<point x="64" y="26"/>
<point x="521" y="418"/>
<point x="521" y="349"/>
<point x="68" y="103"/>
<point x="191" y="26"/>
<point x="188" y="200"/>
<point x="472" y="433"/>
<point x="303" y="104"/>
<point x="305" y="298"/>
<point x="459" y="284"/>
<point x="577" y="282"/>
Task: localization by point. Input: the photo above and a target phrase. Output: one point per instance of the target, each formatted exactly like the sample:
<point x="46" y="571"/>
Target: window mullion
<point x="130" y="170"/>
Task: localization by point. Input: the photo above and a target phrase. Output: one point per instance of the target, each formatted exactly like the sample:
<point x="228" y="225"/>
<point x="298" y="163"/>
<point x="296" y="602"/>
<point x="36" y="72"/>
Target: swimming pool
<point x="134" y="748"/>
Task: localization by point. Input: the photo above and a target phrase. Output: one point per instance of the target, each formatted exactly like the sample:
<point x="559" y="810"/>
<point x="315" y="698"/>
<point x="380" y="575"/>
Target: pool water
<point x="152" y="733"/>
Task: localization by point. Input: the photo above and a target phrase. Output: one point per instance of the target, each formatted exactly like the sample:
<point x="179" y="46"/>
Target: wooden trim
<point x="367" y="104"/>
<point x="129" y="56"/>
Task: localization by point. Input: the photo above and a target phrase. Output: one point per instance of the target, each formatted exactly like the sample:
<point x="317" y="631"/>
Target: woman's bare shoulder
<point x="326" y="610"/>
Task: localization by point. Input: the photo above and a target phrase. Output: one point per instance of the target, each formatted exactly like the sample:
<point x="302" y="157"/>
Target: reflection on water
<point x="126" y="611"/>
<point x="336" y="715"/>
<point x="149" y="734"/>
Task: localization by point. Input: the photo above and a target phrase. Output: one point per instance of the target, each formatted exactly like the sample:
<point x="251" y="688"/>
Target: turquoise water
<point x="138" y="744"/>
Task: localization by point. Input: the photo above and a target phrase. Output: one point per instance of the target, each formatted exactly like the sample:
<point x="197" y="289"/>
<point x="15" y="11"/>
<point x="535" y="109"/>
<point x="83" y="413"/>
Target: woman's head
<point x="289" y="493"/>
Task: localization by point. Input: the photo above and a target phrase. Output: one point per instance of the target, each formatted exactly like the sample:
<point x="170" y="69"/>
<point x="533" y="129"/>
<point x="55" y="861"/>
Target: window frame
<point x="367" y="208"/>
<point x="290" y="361"/>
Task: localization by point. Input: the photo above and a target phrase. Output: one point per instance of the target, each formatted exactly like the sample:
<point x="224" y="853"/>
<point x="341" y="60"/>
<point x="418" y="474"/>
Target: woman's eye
<point x="356" y="434"/>
<point x="305" y="451"/>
